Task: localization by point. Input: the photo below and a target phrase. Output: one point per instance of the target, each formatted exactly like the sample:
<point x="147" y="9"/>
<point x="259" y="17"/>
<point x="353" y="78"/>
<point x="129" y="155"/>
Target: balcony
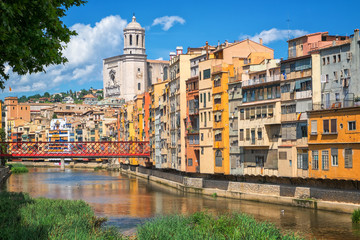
<point x="257" y="81"/>
<point x="288" y="117"/>
<point x="218" y="124"/>
<point x="304" y="94"/>
<point x="217" y="68"/>
<point x="298" y="74"/>
<point x="287" y="96"/>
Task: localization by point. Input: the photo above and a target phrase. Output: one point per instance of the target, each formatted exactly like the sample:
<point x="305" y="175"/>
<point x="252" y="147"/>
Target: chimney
<point x="226" y="43"/>
<point x="179" y="50"/>
<point x="207" y="50"/>
<point x="172" y="55"/>
<point x="356" y="34"/>
<point x="261" y="41"/>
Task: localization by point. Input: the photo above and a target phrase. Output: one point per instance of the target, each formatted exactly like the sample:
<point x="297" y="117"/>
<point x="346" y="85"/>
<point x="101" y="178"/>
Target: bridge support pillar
<point x="62" y="166"/>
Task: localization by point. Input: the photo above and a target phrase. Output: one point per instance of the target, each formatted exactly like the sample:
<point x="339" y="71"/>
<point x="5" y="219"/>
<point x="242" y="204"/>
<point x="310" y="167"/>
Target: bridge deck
<point x="75" y="149"/>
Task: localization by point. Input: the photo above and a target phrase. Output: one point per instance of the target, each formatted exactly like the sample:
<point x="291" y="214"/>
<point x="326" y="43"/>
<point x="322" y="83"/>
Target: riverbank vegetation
<point x="206" y="226"/>
<point x="18" y="168"/>
<point x="22" y="217"/>
<point x="38" y="218"/>
<point x="355" y="217"/>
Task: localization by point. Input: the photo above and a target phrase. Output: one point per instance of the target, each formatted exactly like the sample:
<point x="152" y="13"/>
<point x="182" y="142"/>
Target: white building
<point x="130" y="74"/>
<point x="68" y="99"/>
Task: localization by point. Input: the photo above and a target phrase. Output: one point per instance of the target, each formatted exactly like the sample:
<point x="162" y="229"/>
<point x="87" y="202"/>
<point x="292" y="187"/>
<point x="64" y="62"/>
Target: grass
<point x="97" y="168"/>
<point x="22" y="217"/>
<point x="205" y="226"/>
<point x="355" y="217"/>
<point x="18" y="168"/>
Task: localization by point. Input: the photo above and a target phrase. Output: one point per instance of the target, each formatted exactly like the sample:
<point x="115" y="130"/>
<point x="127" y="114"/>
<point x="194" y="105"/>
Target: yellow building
<point x="334" y="143"/>
<point x="220" y="77"/>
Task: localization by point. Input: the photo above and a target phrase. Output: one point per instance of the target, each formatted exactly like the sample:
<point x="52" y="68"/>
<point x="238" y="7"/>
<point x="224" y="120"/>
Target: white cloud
<point x="168" y="21"/>
<point x="160" y="58"/>
<point x="85" y="53"/>
<point x="275" y="34"/>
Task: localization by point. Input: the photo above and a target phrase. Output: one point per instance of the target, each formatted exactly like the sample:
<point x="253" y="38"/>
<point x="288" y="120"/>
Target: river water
<point x="128" y="201"/>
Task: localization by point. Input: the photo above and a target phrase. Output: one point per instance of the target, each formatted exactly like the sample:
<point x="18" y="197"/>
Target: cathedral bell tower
<point x="134" y="38"/>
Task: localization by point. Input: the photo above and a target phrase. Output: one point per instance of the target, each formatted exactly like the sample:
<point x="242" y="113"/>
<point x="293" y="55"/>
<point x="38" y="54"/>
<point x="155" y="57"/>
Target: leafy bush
<point x="18" y="168"/>
<point x="205" y="226"/>
<point x="355" y="217"/>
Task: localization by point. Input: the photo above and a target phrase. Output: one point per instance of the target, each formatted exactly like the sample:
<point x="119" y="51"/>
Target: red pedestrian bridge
<point x="35" y="150"/>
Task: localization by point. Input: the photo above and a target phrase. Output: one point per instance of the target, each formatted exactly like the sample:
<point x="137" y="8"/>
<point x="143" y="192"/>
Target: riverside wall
<point x="333" y="199"/>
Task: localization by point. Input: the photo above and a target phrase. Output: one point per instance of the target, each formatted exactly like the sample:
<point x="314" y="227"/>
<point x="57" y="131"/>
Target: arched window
<point x="139" y="86"/>
<point x="137" y="40"/>
<point x="218" y="158"/>
<point x="130" y="40"/>
<point x="165" y="76"/>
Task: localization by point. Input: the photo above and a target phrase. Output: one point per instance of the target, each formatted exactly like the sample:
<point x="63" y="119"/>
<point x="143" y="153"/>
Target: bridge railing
<point x="75" y="149"/>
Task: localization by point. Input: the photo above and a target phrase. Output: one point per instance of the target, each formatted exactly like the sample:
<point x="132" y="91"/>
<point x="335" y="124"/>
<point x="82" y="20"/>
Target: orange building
<point x="192" y="125"/>
<point x="14" y="110"/>
<point x="334" y="143"/>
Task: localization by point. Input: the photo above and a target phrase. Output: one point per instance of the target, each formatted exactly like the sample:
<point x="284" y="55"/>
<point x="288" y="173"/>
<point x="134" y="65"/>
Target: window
<point x="137" y="40"/>
<point x="325" y="160"/>
<point x="139" y="86"/>
<point x="138" y="69"/>
<point x="201" y="98"/>
<point x="206" y="73"/>
<point x="259" y="133"/>
<point x="202" y="150"/>
<point x="253" y="136"/>
<point x="218" y="135"/>
<point x="315" y="159"/>
<point x="339" y="58"/>
<point x="247" y="113"/>
<point x="352" y="125"/>
<point x="252" y="113"/>
<point x="334" y="59"/>
<point x="202" y="137"/>
<point x="313" y="127"/>
<point x="270" y="110"/>
<point x="336" y="76"/>
<point x="302" y="161"/>
<point x="325" y="126"/>
<point x="190" y="162"/>
<point x="258" y="112"/>
<point x="209" y="96"/>
<point x="218" y="158"/>
<point x="327" y="60"/>
<point x="241" y="134"/>
<point x="348" y="157"/>
<point x="333" y="126"/>
<point x="334" y="157"/>
<point x="326" y="77"/>
<point x="248" y="134"/>
<point x="282" y="155"/>
<point x="209" y="116"/>
<point x="242" y="114"/>
<point x="259" y="160"/>
<point x="323" y="61"/>
<point x="337" y="97"/>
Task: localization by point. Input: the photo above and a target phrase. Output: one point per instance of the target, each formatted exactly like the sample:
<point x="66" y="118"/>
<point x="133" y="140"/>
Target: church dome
<point x="133" y="24"/>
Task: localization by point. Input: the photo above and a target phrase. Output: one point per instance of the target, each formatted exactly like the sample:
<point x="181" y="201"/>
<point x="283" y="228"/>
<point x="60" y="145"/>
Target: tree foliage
<point x="32" y="35"/>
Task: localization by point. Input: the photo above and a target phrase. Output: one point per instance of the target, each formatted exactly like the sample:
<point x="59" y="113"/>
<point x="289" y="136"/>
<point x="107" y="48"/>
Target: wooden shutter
<point x="247" y="113"/>
<point x="241" y="134"/>
<point x="271" y="110"/>
<point x="333" y="125"/>
<point x="242" y="114"/>
<point x="313" y="126"/>
<point x="248" y="134"/>
<point x="348" y="158"/>
<point x="292" y="131"/>
<point x="252" y="112"/>
<point x="326" y="126"/>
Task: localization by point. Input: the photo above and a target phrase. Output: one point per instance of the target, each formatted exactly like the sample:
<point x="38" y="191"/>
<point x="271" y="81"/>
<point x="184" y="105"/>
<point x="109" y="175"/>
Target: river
<point x="128" y="201"/>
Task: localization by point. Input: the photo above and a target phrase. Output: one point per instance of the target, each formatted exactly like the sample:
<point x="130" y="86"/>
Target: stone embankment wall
<point x="341" y="200"/>
<point x="4" y="174"/>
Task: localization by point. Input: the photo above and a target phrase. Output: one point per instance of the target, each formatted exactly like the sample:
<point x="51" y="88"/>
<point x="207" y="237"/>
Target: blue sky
<point x="184" y="23"/>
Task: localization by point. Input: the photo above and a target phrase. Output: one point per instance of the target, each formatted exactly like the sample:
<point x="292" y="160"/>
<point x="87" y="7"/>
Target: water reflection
<point x="128" y="201"/>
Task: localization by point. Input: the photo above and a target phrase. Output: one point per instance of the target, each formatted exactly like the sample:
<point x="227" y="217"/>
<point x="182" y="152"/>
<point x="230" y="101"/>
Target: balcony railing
<point x="304" y="94"/>
<point x="257" y="81"/>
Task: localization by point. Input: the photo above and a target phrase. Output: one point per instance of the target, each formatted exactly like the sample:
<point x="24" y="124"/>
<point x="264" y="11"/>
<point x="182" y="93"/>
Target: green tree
<point x="32" y="35"/>
<point x="46" y="94"/>
<point x="23" y="99"/>
<point x="57" y="98"/>
<point x="54" y="116"/>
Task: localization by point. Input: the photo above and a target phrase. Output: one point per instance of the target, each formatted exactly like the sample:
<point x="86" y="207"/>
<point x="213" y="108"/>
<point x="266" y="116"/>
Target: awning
<point x="217" y="96"/>
<point x="217" y="132"/>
